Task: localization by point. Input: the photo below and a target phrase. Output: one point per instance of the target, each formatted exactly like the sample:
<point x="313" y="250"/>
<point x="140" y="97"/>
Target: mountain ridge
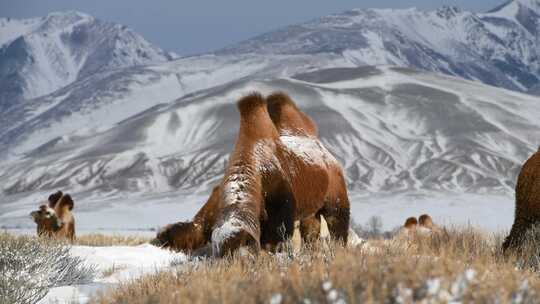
<point x="500" y="49"/>
<point x="41" y="55"/>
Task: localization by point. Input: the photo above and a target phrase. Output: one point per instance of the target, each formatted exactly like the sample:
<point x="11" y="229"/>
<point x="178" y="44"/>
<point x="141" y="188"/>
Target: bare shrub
<point x="29" y="267"/>
<point x="372" y="229"/>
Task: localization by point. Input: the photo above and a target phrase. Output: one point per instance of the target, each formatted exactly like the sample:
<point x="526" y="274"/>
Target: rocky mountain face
<point x="91" y="107"/>
<point x="41" y="55"/>
<point x="98" y="102"/>
<point x="500" y="47"/>
<point x="393" y="129"/>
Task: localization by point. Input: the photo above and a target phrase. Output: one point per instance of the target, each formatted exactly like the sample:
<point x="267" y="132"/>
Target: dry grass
<point x="109" y="240"/>
<point x="111" y="270"/>
<point x="460" y="265"/>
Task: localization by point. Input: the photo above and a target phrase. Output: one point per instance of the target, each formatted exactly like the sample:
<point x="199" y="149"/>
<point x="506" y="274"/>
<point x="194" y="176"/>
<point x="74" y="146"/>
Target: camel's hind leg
<point x="336" y="210"/>
<point x="310" y="228"/>
<point x="337" y="218"/>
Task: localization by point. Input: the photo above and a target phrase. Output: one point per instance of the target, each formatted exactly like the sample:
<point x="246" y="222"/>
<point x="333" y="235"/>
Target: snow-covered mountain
<point x="40" y="55"/>
<point x="500" y="47"/>
<point x="393" y="129"/>
<point x="75" y="58"/>
<point x="98" y="102"/>
<point x="535" y="90"/>
<point x="146" y="126"/>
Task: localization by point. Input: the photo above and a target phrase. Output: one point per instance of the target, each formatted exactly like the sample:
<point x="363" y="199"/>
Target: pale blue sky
<point x="196" y="26"/>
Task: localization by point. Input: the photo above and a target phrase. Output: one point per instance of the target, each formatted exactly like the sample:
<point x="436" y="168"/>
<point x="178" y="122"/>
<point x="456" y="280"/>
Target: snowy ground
<point x="113" y="265"/>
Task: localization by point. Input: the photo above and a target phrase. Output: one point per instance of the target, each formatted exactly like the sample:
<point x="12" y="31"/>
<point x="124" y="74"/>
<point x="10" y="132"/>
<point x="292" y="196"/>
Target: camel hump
<point x="278" y="99"/>
<point x="255" y="123"/>
<point x="53" y="198"/>
<point x="425" y="220"/>
<point x="250" y="103"/>
<point x="66" y="200"/>
<point x="411" y="222"/>
<point x="287" y="117"/>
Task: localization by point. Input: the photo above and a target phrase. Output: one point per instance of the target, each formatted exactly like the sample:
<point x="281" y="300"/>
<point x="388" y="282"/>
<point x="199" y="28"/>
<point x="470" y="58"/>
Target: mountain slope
<point x="98" y="102"/>
<point x="93" y="95"/>
<point x="393" y="129"/>
<point x="41" y="55"/>
<point x="500" y="48"/>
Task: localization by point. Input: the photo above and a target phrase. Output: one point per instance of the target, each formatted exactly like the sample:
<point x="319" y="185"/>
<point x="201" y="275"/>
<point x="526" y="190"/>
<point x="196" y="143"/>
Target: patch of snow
<point x="327" y="285"/>
<point x="433" y="286"/>
<point x="235" y="189"/>
<point x="276" y="298"/>
<point x="353" y="240"/>
<point x="310" y="149"/>
<point x="124" y="262"/>
<point x="459" y="287"/>
<point x="228" y="228"/>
